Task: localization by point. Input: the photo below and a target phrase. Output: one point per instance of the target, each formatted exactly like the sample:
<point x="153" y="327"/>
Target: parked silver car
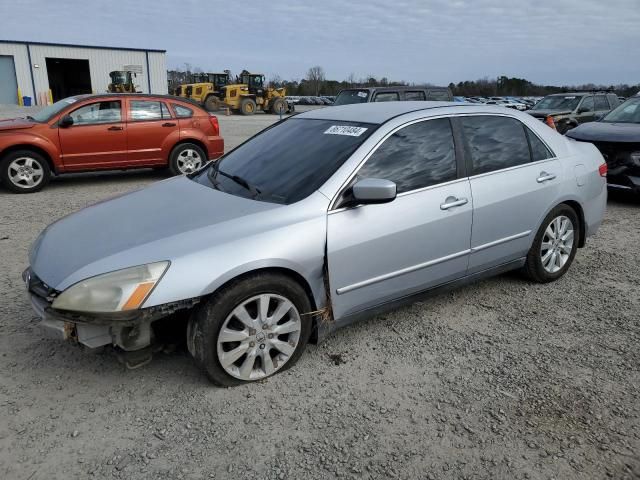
<point x="322" y="219"/>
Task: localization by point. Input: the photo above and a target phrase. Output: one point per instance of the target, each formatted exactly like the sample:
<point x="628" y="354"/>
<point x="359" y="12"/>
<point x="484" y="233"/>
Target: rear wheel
<point x="248" y="106"/>
<point x="212" y="103"/>
<point x="278" y="106"/>
<point x="186" y="158"/>
<point x="24" y="171"/>
<point x="250" y="330"/>
<point x="554" y="246"/>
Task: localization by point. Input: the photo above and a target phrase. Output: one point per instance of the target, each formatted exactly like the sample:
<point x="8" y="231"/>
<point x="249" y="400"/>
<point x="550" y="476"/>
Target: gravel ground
<point x="500" y="380"/>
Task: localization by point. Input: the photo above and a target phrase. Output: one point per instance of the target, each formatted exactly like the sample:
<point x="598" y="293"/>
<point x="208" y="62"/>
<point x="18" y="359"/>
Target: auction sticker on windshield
<point x="345" y="130"/>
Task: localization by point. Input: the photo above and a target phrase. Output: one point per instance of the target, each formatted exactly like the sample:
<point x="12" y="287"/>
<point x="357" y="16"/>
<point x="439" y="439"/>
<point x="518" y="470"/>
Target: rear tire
<point x="260" y="349"/>
<point x="186" y="158"/>
<point x="24" y="171"/>
<point x="554" y="246"/>
<point x="211" y="103"/>
<point x="248" y="106"/>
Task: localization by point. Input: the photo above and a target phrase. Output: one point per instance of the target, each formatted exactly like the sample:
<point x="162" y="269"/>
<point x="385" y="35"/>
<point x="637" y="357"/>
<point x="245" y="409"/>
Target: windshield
<point x="288" y="161"/>
<point x="47" y="113"/>
<point x="628" y="112"/>
<point x="558" y="102"/>
<point x="347" y="97"/>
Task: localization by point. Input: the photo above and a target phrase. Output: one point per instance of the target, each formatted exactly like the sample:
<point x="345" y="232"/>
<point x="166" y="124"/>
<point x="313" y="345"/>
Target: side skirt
<point x="327" y="328"/>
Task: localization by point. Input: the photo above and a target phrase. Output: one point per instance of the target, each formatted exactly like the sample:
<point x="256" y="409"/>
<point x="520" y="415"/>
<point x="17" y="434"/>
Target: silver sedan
<point x="323" y="219"/>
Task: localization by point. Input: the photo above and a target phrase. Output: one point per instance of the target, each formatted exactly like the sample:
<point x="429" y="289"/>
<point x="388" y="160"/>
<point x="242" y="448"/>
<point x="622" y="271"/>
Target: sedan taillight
<point x="602" y="170"/>
<point x="214" y="123"/>
<point x="550" y="122"/>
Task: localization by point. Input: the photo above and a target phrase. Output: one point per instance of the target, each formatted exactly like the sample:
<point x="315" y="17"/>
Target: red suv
<point x="104" y="132"/>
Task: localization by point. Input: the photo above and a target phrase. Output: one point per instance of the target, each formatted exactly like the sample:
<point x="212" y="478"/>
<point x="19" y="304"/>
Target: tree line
<point x="316" y="83"/>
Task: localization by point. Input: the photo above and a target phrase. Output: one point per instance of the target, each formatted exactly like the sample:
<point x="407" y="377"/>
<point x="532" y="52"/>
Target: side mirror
<point x="583" y="110"/>
<point x="373" y="190"/>
<point x="66" y="121"/>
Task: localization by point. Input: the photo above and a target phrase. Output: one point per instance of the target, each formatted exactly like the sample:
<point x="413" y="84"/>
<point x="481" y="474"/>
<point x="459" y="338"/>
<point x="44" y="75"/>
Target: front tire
<point x="250" y="330"/>
<point x="212" y="103"/>
<point x="24" y="171"/>
<point x="186" y="158"/>
<point x="554" y="246"/>
<point x="278" y="106"/>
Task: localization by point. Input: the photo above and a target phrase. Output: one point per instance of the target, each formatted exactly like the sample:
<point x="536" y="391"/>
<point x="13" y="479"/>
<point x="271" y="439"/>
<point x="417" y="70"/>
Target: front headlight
<point x="125" y="289"/>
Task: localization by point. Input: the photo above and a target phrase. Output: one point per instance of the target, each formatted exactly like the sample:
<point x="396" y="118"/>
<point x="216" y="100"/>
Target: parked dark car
<point x="568" y="110"/>
<point x="617" y="136"/>
<point x="393" y="94"/>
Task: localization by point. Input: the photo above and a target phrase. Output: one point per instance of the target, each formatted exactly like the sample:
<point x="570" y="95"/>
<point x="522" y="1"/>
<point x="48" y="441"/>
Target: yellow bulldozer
<point x="205" y="89"/>
<point x="122" y="82"/>
<point x="250" y="94"/>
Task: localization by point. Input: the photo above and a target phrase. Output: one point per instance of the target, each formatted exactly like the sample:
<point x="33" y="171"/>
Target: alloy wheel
<point x="188" y="161"/>
<point x="25" y="172"/>
<point x="557" y="244"/>
<point x="259" y="337"/>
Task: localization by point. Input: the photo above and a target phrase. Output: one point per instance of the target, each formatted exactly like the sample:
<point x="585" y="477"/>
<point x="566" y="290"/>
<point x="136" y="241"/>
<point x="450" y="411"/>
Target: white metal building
<point x="35" y="68"/>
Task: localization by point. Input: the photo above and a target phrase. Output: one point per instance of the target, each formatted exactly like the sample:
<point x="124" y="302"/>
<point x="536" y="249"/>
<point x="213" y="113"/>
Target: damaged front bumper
<point x="129" y="330"/>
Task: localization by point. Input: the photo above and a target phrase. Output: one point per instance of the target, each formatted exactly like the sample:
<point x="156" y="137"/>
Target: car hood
<point x="147" y="223"/>
<point x="544" y="113"/>
<point x="15" y="124"/>
<point x="606" y="132"/>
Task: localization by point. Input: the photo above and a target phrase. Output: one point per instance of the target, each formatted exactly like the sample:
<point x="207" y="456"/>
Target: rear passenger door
<point x="378" y="253"/>
<point x="151" y="132"/>
<point x="586" y="110"/>
<point x="513" y="182"/>
<point x="601" y="105"/>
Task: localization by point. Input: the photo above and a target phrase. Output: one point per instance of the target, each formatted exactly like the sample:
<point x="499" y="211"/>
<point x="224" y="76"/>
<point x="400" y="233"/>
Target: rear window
<point x="287" y="162"/>
<point x="347" y="97"/>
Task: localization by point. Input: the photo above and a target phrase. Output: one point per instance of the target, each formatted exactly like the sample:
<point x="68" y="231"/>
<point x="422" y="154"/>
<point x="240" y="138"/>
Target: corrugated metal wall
<point x="101" y="62"/>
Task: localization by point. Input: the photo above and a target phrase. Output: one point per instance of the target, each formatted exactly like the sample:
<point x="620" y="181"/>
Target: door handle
<point x="168" y="124"/>
<point x="114" y="128"/>
<point x="451" y="202"/>
<point x="545" y="177"/>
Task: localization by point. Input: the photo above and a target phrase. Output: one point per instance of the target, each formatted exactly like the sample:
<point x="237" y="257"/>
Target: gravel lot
<point x="500" y="380"/>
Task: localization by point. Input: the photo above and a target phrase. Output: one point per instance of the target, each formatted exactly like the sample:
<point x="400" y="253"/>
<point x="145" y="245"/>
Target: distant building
<point x="35" y="68"/>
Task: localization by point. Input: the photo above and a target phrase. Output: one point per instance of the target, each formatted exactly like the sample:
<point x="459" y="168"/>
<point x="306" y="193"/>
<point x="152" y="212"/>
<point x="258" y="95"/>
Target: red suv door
<point x="152" y="131"/>
<point x="96" y="139"/>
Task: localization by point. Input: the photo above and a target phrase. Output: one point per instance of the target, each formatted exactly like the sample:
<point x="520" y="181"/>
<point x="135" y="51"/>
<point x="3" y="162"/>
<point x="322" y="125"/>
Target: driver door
<point x="378" y="253"/>
<point x="97" y="138"/>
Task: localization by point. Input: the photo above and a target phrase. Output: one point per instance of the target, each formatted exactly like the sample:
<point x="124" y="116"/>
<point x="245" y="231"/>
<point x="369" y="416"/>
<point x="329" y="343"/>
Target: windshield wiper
<point x="29" y="117"/>
<point x="242" y="182"/>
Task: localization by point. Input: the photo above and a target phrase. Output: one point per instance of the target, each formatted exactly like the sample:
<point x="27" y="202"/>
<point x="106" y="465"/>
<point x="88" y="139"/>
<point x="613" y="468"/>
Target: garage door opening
<point x="68" y="77"/>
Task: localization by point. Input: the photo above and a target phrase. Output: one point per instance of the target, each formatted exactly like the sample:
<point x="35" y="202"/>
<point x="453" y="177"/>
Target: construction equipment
<point x="205" y="89"/>
<point x="122" y="82"/>
<point x="250" y="93"/>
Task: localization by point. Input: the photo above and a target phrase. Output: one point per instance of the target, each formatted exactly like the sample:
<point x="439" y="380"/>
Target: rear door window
<point x="539" y="151"/>
<point x="415" y="95"/>
<point x="439" y="95"/>
<point x="148" y="110"/>
<point x="386" y="97"/>
<point x="182" y="112"/>
<point x="494" y="143"/>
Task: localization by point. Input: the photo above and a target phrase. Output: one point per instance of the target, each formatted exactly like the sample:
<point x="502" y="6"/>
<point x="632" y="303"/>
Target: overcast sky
<point x="436" y="41"/>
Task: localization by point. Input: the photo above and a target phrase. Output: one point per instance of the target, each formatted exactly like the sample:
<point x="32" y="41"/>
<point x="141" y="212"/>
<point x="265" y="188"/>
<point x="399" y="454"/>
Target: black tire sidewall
<point x="281" y="103"/>
<point x="173" y="158"/>
<point x="4" y="170"/>
<point x="533" y="266"/>
<point x="248" y="101"/>
<point x="208" y="318"/>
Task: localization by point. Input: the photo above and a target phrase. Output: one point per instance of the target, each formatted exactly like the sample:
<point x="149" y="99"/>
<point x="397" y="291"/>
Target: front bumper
<point x="130" y="330"/>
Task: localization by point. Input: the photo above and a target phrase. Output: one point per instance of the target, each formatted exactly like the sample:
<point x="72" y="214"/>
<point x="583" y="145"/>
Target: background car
<point x="568" y="110"/>
<point x="300" y="211"/>
<point x="617" y="136"/>
<point x="104" y="132"/>
<point x="392" y="94"/>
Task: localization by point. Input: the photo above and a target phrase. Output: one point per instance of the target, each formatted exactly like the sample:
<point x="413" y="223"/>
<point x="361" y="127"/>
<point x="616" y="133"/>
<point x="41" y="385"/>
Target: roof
<point x="396" y="88"/>
<point x="73" y="45"/>
<point x="375" y="112"/>
<point x="137" y="95"/>
<point x="580" y="94"/>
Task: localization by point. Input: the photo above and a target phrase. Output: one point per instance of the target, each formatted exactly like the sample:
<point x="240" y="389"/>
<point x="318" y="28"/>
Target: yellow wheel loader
<point x="250" y="94"/>
<point x="205" y="89"/>
<point x="122" y="82"/>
